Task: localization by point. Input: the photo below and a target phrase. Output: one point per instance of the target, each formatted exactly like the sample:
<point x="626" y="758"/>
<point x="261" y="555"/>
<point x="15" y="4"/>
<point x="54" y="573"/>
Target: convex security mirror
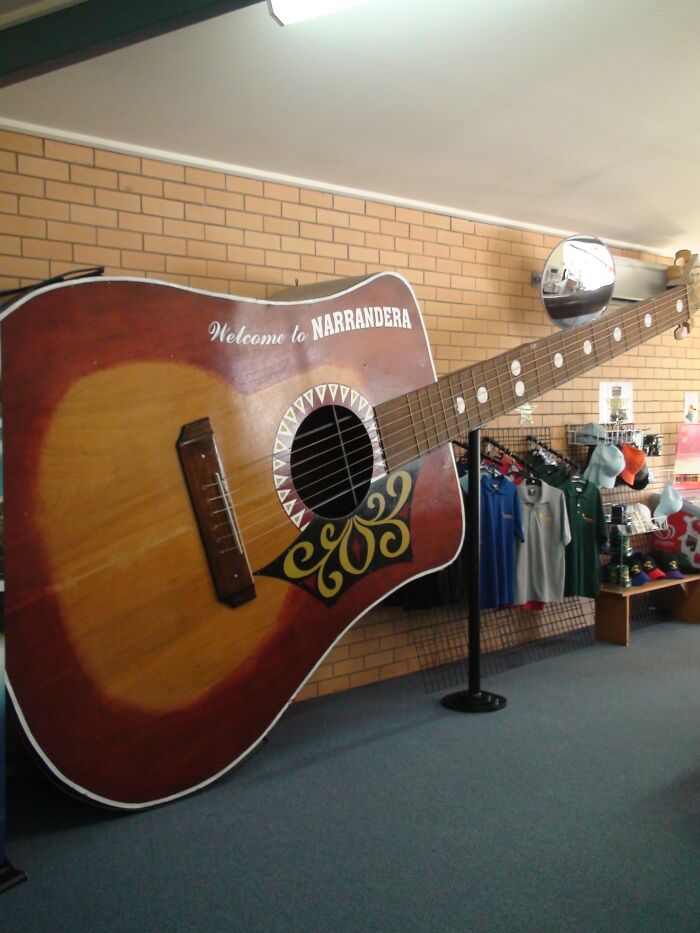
<point x="577" y="282"/>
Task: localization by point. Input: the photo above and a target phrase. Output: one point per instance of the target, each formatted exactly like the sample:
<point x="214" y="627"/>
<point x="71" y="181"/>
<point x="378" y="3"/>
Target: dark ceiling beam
<point x="89" y="29"/>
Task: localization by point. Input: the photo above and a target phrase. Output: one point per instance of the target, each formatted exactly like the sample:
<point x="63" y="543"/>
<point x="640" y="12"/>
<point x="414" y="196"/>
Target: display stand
<point x="474" y="699"/>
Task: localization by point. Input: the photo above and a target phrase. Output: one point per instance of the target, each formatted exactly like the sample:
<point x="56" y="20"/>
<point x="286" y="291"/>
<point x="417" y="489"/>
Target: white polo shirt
<point x="540" y="560"/>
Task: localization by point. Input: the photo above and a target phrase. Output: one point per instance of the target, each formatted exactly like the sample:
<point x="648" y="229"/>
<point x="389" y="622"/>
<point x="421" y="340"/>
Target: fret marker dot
<point x="482" y="394"/>
<point x="460" y="405"/>
<point x="558" y="360"/>
<point x="617" y="333"/>
<point x="647" y="320"/>
<point x="679" y="306"/>
<point x="587" y="347"/>
<point x="515" y="367"/>
<point x="519" y="387"/>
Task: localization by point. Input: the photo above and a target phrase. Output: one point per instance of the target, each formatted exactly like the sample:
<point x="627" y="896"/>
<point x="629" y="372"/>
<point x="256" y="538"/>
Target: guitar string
<point x="359" y="431"/>
<point x="571" y="374"/>
<point x="456" y="419"/>
<point x="409" y="421"/>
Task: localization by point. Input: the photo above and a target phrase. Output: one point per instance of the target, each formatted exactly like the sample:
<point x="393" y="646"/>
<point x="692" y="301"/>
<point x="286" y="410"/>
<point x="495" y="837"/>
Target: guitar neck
<point x="418" y="423"/>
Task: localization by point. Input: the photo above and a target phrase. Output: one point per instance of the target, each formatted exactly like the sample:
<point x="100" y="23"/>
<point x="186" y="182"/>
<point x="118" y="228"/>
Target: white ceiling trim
<point x="81" y="139"/>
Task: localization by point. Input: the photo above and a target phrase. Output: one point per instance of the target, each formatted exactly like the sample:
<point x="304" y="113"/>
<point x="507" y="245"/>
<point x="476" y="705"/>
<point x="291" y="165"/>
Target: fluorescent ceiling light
<point x="294" y="11"/>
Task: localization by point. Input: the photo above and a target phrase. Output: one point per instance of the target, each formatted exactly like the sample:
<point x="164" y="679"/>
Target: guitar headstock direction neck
<point x="685" y="271"/>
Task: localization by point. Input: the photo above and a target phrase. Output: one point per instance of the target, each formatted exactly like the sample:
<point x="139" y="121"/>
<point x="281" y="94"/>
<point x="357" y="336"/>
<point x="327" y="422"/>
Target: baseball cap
<point x="637" y="575"/>
<point x="634" y="461"/>
<point x="670" y="502"/>
<point x="640" y="517"/>
<point x="669" y="564"/>
<point x="605" y="464"/>
<point x="591" y="433"/>
<point x="651" y="570"/>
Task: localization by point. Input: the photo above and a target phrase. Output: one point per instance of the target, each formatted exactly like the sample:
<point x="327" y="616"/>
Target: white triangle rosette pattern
<point x="316" y="397"/>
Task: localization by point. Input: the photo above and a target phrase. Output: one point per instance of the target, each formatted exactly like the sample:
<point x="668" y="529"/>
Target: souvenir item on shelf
<point x="605" y="465"/>
<point x="669" y="503"/>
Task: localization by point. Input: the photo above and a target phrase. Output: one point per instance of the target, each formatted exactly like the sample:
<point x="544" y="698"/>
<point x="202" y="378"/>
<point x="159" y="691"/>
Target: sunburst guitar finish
<point x="160" y="612"/>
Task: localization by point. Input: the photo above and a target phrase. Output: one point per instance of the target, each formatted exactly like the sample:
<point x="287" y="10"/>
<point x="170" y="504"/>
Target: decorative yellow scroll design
<point x="356" y="543"/>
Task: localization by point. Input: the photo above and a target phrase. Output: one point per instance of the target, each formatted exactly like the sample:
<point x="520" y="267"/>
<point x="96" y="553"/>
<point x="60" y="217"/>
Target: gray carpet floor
<point x="576" y="808"/>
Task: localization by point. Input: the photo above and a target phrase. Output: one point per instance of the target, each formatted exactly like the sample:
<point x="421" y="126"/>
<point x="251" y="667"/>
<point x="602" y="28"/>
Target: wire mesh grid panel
<point x="511" y="636"/>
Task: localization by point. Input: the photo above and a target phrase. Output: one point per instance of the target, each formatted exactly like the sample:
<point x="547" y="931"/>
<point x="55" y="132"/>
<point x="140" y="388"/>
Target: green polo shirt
<point x="588" y="532"/>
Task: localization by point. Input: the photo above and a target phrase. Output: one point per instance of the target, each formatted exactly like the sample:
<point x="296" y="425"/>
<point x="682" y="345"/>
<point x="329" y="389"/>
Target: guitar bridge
<point x="213" y="508"/>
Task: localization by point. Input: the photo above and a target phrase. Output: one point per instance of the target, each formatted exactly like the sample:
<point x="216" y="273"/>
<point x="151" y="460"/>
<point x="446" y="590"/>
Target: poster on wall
<point x="690" y="407"/>
<point x="615" y="403"/>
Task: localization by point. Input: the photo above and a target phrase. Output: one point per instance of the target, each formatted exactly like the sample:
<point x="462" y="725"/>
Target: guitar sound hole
<point x="331" y="461"/>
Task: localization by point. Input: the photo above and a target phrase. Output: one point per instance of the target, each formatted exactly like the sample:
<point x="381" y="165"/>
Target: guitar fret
<point x="470" y="397"/>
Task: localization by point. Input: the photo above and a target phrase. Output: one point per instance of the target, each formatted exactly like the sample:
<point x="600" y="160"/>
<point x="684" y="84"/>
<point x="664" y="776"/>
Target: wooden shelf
<point x="612" y="606"/>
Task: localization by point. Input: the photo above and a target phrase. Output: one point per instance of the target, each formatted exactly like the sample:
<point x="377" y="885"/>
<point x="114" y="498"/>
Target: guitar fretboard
<point x="416" y="424"/>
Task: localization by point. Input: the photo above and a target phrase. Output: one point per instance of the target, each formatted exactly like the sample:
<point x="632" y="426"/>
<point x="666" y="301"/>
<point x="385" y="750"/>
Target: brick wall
<point x="64" y="206"/>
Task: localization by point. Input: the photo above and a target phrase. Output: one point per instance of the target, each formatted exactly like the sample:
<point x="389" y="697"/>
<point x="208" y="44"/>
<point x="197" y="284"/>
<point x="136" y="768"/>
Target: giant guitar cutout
<point x="202" y="494"/>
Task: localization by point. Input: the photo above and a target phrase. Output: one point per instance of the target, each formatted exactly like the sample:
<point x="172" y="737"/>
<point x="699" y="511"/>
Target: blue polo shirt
<point x="500" y="526"/>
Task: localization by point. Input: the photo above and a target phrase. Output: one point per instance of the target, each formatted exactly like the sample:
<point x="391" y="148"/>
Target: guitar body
<point x="133" y="678"/>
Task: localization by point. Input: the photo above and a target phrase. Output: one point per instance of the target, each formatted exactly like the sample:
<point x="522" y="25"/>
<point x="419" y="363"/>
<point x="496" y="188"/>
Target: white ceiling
<point x="572" y="116"/>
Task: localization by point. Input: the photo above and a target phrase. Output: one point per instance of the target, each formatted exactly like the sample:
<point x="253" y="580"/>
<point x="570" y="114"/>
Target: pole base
<point x="10" y="876"/>
<point x="480" y="702"/>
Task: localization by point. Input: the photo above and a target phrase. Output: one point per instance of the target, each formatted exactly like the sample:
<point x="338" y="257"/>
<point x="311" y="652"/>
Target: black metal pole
<point x="474" y="699"/>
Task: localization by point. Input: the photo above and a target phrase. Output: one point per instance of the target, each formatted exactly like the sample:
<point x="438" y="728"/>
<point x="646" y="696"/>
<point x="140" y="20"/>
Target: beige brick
<point x="183" y="228"/>
<point x="362" y="222"/>
<point x="137" y="184"/>
<point x="381" y="210"/>
<point x="186" y="265"/>
<point x="263" y="206"/>
<point x="280" y="192"/>
<point x="9" y="203"/>
<point x="97" y="177"/>
<point x="24" y="268"/>
<point x="8" y="162"/>
<point x="348" y="205"/>
<point x="68" y="152"/>
<point x="118" y="162"/>
<point x="243" y="220"/>
<point x="202" y="249"/>
<point x="264" y="274"/>
<point x="362" y="254"/>
<point x="165" y="170"/>
<point x="164" y="244"/>
<point x="46" y="249"/>
<point x="96" y="255"/>
<point x="316" y="232"/>
<point x="318" y="264"/>
<point x="202" y="214"/>
<point x="222" y="234"/>
<point x="150" y="262"/>
<point x="261" y="240"/>
<point x="120" y="239"/>
<point x="163" y="208"/>
<point x="244" y="185"/>
<point x="299" y="212"/>
<point x="344" y="267"/>
<point x="281" y="225"/>
<point x="354" y="237"/>
<point x="22" y="226"/>
<point x="21" y="184"/>
<point x="118" y="200"/>
<point x="227" y="199"/>
<point x="205" y="178"/>
<point x="42" y="168"/>
<point x="207" y="284"/>
<point x="297" y="245"/>
<point x="191" y="193"/>
<point x="72" y="194"/>
<point x="334" y="685"/>
<point x="282" y="260"/>
<point x="394" y="228"/>
<point x="19" y="142"/>
<point x="225" y="270"/>
<point x="100" y="216"/>
<point x="332" y="250"/>
<point x="40" y="207"/>
<point x="245" y="254"/>
<point x="71" y="233"/>
<point x="12" y="245"/>
<point x="141" y="222"/>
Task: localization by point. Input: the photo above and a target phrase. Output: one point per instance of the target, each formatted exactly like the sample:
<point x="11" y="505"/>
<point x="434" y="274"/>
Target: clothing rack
<point x="506" y="451"/>
<point x="551" y="450"/>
